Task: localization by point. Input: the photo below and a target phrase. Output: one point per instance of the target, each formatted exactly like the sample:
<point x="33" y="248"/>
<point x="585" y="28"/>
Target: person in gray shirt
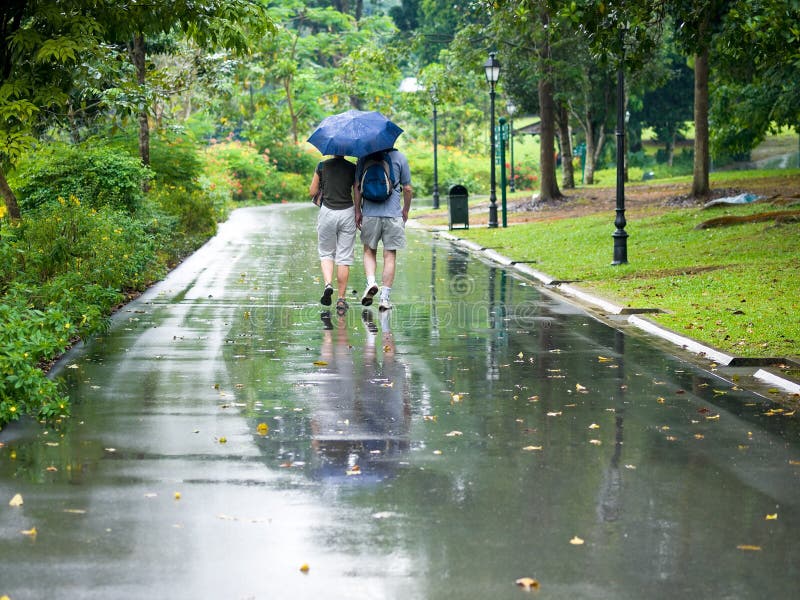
<point x="383" y="222"/>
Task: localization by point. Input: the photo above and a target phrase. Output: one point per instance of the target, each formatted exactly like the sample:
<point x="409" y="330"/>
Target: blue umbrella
<point x="355" y="133"/>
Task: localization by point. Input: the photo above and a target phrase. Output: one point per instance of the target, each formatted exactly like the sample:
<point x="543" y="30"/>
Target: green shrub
<point x="454" y="166"/>
<point x="194" y="211"/>
<point x="290" y="158"/>
<point x="107" y="246"/>
<point x="174" y="158"/>
<point x="98" y="175"/>
<point x="27" y="337"/>
<point x="249" y="170"/>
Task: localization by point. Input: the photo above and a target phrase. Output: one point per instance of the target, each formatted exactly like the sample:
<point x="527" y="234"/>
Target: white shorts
<point x="336" y="235"/>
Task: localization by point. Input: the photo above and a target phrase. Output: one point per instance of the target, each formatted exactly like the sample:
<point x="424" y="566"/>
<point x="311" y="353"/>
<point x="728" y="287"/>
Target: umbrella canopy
<point x="355" y="133"/>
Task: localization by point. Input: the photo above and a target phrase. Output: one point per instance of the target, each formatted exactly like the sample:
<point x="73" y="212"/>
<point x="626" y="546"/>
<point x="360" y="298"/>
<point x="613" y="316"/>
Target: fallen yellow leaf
<point x="603" y="359"/>
<point x="748" y="547"/>
<point x="771" y="517"/>
<point x="712" y="418"/>
<point x="595" y="442"/>
<point x="576" y="541"/>
<point x="594" y="426"/>
<point x="429" y="418"/>
<point x="16" y="500"/>
<point x="455" y="398"/>
<point x="580" y="388"/>
<point x="320" y="363"/>
<point x="29" y="532"/>
<point x="532" y="448"/>
<point x="262" y="428"/>
<point x="223" y="440"/>
<point x="177" y="495"/>
<point x="304" y="568"/>
<point x="526" y="583"/>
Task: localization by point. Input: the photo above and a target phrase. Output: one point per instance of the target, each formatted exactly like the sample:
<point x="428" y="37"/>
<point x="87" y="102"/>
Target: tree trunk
<point x="548" y="184"/>
<point x="700" y="187"/>
<point x="138" y="57"/>
<point x="567" y="171"/>
<point x="12" y="208"/>
<point x="671" y="149"/>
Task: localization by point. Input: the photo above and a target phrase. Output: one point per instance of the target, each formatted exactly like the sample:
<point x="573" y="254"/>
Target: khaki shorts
<point x="336" y="235"/>
<point x="389" y="230"/>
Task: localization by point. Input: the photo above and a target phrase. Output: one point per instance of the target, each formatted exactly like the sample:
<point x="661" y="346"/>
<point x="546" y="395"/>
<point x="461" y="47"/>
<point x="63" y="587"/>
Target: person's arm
<point x="357" y="204"/>
<point x="313" y="189"/>
<point x="407" y="193"/>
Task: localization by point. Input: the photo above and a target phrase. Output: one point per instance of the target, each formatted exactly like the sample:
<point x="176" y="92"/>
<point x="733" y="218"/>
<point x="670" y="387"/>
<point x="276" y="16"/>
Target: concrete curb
<point x="592" y="301"/>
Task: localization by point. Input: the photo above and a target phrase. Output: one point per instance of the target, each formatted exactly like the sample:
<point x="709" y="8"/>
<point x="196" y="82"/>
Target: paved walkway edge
<point x="646" y="325"/>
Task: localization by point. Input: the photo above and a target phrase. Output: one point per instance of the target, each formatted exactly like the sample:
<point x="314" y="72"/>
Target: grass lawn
<point x="736" y="288"/>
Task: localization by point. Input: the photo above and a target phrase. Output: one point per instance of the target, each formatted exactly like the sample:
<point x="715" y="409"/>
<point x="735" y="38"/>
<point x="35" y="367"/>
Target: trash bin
<point x="457" y="197"/>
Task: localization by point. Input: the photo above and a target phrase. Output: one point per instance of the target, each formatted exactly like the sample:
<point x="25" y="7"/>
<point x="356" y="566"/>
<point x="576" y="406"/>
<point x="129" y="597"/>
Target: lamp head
<point x="492" y="69"/>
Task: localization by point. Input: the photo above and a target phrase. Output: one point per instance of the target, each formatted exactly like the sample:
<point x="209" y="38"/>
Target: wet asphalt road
<point x="225" y="436"/>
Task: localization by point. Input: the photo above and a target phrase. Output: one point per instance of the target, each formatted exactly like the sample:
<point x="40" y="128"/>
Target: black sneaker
<point x="327" y="295"/>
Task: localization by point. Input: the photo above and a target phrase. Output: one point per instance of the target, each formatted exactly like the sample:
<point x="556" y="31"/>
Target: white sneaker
<point x="366" y="299"/>
<point x="384" y="304"/>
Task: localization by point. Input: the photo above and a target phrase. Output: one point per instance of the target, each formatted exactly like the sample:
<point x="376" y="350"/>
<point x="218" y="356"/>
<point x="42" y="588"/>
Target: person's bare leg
<point x="327" y="276"/>
<point x="389" y="261"/>
<point x="342" y="275"/>
<point x="327" y="270"/>
<point x="370" y="263"/>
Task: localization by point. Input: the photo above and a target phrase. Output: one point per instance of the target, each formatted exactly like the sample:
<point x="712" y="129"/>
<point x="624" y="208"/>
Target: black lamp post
<point x="492" y="69"/>
<point x="511" y="108"/>
<point x="620" y="235"/>
<point x="434" y="99"/>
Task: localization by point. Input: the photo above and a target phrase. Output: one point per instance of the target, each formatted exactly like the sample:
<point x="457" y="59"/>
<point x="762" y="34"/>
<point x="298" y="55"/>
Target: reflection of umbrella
<point x="355" y="133"/>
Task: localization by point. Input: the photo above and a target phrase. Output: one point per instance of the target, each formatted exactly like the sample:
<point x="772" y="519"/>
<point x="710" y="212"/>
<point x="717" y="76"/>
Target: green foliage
<point x="28" y="336"/>
<point x="195" y="212"/>
<point x="249" y="170"/>
<point x="252" y="177"/>
<point x="96" y="174"/>
<point x="291" y="158"/>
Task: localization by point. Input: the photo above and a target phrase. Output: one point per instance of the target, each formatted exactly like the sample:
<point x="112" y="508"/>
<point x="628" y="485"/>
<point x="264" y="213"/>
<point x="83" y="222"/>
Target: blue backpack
<point x="377" y="178"/>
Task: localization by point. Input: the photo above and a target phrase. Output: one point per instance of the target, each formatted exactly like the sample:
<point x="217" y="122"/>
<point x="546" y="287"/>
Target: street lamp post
<point x="511" y="108"/>
<point x="492" y="70"/>
<point x="620" y="235"/>
<point x="435" y="150"/>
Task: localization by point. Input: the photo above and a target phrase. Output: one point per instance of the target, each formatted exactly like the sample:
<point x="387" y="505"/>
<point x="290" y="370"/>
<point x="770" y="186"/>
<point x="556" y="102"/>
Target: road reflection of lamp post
<point x="492" y="70"/>
<point x="511" y="108"/>
<point x="434" y="99"/>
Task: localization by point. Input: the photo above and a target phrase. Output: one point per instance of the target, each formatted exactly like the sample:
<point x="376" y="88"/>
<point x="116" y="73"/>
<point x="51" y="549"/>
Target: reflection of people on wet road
<point x="336" y="225"/>
<point x="361" y="417"/>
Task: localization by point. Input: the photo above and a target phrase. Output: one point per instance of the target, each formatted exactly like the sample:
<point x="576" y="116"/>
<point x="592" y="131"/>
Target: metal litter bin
<point x="457" y="197"/>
